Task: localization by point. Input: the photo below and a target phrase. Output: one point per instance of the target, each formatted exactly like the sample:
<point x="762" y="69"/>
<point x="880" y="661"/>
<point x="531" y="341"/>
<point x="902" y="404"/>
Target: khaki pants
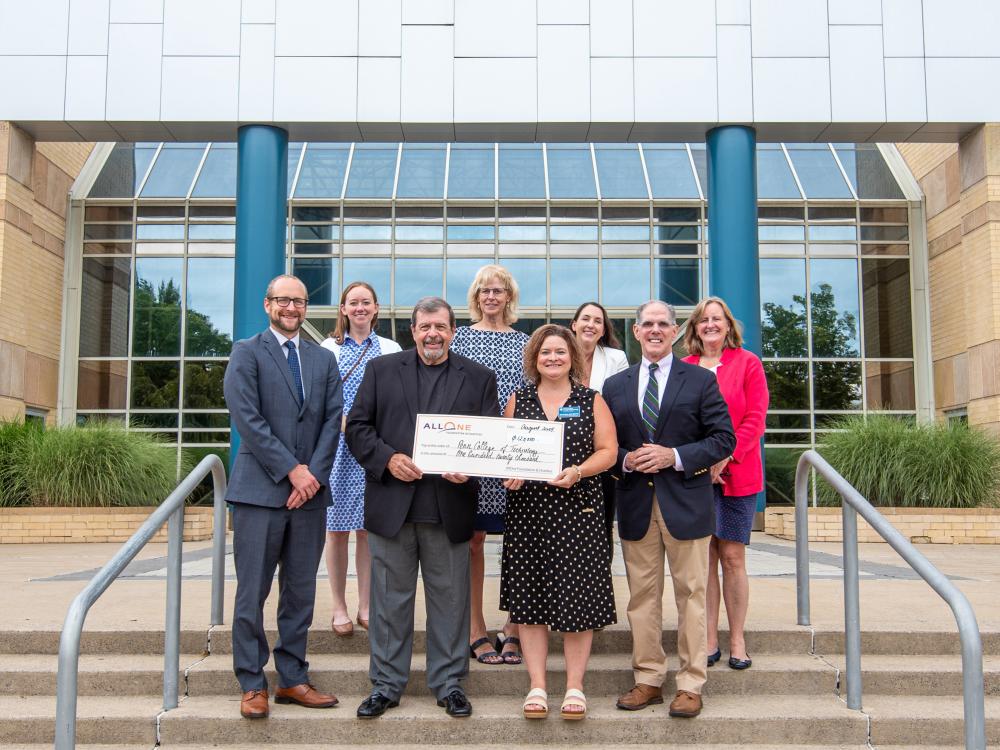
<point x="688" y="562"/>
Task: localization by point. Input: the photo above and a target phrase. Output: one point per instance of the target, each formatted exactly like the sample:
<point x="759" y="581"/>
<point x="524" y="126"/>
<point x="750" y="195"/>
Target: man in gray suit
<point x="284" y="396"/>
<point x="415" y="520"/>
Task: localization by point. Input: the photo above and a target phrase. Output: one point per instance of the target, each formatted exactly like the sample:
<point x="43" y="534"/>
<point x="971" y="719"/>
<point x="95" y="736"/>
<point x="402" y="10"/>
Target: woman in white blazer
<point x="355" y="343"/>
<point x="602" y="358"/>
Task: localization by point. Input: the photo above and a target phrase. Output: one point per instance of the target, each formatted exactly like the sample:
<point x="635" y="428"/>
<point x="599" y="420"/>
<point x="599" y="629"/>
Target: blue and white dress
<point x="503" y="353"/>
<point x="347" y="479"/>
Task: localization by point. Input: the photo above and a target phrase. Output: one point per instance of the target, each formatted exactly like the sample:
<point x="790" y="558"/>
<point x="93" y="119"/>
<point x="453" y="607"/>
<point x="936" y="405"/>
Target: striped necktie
<point x="293" y="365"/>
<point x="651" y="402"/>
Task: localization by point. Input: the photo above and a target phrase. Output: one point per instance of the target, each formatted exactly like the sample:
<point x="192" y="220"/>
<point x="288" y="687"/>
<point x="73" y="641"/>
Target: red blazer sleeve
<point x="750" y="428"/>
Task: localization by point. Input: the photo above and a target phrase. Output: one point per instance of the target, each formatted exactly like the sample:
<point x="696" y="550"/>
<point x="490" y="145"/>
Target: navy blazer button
<point x="650" y="484"/>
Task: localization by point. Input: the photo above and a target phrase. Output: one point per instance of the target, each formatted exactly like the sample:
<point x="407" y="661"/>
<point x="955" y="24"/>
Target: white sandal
<point x="536" y="697"/>
<point x="574" y="697"/>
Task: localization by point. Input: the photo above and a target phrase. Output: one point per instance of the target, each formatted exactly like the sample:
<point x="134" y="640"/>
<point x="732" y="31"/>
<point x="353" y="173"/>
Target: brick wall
<point x="40" y="525"/>
<point x="919" y="525"/>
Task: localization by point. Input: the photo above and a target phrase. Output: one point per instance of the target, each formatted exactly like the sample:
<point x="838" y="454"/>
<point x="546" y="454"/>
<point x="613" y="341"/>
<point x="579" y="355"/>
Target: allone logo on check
<point x="447" y="426"/>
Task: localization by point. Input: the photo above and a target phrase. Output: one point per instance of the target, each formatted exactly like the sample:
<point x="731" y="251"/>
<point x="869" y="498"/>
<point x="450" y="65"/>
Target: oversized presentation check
<point x="488" y="446"/>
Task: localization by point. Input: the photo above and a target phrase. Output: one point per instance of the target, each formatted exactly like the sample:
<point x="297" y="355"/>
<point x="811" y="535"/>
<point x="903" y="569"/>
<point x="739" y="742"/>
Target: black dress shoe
<point x="735" y="663"/>
<point x="375" y="705"/>
<point x="456" y="704"/>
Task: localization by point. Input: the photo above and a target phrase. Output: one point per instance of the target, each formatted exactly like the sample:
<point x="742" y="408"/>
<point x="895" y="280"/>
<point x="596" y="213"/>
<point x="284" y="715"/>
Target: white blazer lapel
<point x="598" y="371"/>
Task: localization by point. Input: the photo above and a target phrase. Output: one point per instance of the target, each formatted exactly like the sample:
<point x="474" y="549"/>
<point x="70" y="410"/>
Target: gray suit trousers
<point x="261" y="537"/>
<point x="444" y="567"/>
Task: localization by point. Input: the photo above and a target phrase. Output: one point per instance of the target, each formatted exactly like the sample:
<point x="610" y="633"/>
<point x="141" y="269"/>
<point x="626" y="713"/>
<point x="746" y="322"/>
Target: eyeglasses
<point x="492" y="292"/>
<point x="298" y="302"/>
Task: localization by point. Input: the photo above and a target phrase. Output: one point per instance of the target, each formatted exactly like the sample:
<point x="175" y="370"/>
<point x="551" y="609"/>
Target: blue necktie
<point x="293" y="365"/>
<point x="651" y="402"/>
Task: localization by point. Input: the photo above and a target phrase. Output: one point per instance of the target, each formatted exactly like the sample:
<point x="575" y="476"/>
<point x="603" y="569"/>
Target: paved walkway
<point x="39" y="582"/>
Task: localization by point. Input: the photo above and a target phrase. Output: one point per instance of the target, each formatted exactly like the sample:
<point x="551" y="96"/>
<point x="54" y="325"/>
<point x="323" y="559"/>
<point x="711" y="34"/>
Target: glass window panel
<point x="474" y="212"/>
<point x="421" y="171"/>
<point x="367" y="232"/>
<point x="571" y="172"/>
<point x="577" y="249"/>
<point x="407" y="233"/>
<point x="203" y="385"/>
<point x="686" y="214"/>
<point x="834" y="300"/>
<point x="122" y="173"/>
<point x="159" y="248"/>
<point x="523" y="213"/>
<point x="832" y="232"/>
<point x="868" y="172"/>
<point x="625" y="249"/>
<point x="315" y="231"/>
<point x="626" y="213"/>
<point x="619" y="170"/>
<point x="212" y="212"/>
<point x="320" y="277"/>
<point x="107" y="231"/>
<point x="624" y="282"/>
<point x="314" y="248"/>
<point x="676" y="281"/>
<point x="884" y="214"/>
<point x="405" y="211"/>
<point x="159" y="232"/>
<point x="836" y="385"/>
<point x="173" y="171"/>
<point x="780" y="232"/>
<point x="517" y="233"/>
<point x="833" y="249"/>
<point x="788" y="384"/>
<point x="883" y="249"/>
<point x="832" y="213"/>
<point x="157" y="324"/>
<point x="572" y="281"/>
<point x="104" y="307"/>
<point x="101" y="385"/>
<point x="530" y="276"/>
<point x="788" y="421"/>
<point x="218" y="174"/>
<point x="573" y="213"/>
<point x="372" y="172"/>
<point x="524" y="249"/>
<point x="107" y="248"/>
<point x="155" y="385"/>
<point x="403" y="248"/>
<point x="890" y="386"/>
<point x="781" y="213"/>
<point x="416" y="278"/>
<point x="885" y="234"/>
<point x="471" y="172"/>
<point x="470" y="232"/>
<point x="700" y="155"/>
<point x="367" y="212"/>
<point x="783" y="309"/>
<point x="461" y="272"/>
<point x="670" y="175"/>
<point x="676" y="232"/>
<point x="192" y="438"/>
<point x="819" y="174"/>
<point x="634" y="232"/>
<point x="675" y="248"/>
<point x="774" y="178"/>
<point x="212" y="232"/>
<point x="788" y="249"/>
<point x="568" y="233"/>
<point x="209" y="307"/>
<point x="371" y="248"/>
<point x="205" y="420"/>
<point x="159" y="213"/>
<point x="888" y="322"/>
<point x="322" y="172"/>
<point x="148" y="420"/>
<point x="463" y="248"/>
<point x="779" y="474"/>
<point x="522" y="172"/>
<point x="789" y="438"/>
<point x="315" y="213"/>
<point x="373" y="270"/>
<point x="107" y="213"/>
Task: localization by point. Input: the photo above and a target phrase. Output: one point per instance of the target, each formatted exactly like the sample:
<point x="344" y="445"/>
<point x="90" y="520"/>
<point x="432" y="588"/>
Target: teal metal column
<point x="261" y="210"/>
<point x="733" y="262"/>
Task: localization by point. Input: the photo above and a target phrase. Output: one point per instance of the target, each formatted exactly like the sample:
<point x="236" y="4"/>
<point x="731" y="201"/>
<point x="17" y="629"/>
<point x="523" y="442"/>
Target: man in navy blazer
<point x="284" y="396"/>
<point x="672" y="426"/>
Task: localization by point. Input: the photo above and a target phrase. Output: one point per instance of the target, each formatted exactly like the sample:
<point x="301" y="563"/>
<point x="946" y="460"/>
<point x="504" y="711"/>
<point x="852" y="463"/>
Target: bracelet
<point x="579" y="473"/>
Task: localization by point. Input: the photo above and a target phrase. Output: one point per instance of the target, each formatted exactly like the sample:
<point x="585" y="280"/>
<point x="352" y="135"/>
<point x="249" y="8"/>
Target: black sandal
<point x="509" y="657"/>
<point x="485" y="657"/>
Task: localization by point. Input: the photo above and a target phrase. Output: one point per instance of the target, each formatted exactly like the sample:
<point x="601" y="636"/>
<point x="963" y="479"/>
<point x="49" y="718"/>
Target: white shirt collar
<point x="282" y="339"/>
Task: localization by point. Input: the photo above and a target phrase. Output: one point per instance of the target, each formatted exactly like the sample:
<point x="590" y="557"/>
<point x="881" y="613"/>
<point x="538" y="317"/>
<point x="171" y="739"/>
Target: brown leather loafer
<point x="253" y="704"/>
<point x="305" y="695"/>
<point x="685" y="705"/>
<point x="639" y="697"/>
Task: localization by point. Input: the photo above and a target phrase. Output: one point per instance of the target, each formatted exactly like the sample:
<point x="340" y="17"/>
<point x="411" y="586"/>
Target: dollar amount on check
<point x="488" y="446"/>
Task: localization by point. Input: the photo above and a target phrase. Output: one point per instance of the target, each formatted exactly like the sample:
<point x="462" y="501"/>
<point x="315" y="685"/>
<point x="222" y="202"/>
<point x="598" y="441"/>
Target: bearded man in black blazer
<point x="672" y="425"/>
<point x="416" y="520"/>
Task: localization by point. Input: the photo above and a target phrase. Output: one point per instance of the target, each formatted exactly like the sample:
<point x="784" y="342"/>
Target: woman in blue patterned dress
<point x="492" y="342"/>
<point x="355" y="343"/>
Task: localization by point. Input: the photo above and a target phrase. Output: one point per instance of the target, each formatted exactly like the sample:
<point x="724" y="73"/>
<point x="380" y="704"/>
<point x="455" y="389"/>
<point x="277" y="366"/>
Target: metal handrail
<point x="965" y="617"/>
<point x="171" y="511"/>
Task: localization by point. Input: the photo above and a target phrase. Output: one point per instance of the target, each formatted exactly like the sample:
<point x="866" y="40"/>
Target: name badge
<point x="567" y="412"/>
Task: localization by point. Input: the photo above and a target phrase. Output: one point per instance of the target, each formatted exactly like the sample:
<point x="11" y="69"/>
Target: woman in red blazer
<point x="713" y="339"/>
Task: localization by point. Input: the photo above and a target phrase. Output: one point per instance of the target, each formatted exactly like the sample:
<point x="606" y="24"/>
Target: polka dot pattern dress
<point x="555" y="568"/>
<point x="503" y="353"/>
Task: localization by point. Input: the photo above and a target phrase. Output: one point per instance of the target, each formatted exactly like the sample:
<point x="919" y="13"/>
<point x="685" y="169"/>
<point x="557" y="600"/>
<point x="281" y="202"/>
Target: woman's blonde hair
<point x="483" y="275"/>
<point x="534" y="346"/>
<point x="734" y="337"/>
<point x="343" y="326"/>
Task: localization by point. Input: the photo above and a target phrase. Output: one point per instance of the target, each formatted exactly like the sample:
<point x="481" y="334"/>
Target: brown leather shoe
<point x="305" y="695"/>
<point x="253" y="704"/>
<point x="639" y="697"/>
<point x="685" y="705"/>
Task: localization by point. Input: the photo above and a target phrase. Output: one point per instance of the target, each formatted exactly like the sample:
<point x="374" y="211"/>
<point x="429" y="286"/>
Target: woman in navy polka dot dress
<point x="355" y="343"/>
<point x="555" y="568"/>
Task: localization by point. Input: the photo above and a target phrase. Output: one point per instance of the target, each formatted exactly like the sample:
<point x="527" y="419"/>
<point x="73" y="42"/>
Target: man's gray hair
<point x="282" y="277"/>
<point x="669" y="308"/>
<point x="431" y="305"/>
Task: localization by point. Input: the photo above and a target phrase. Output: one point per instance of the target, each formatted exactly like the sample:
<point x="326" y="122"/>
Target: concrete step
<point x="917" y="675"/>
<point x="912" y="721"/>
<point x="125" y="720"/>
<point x="736" y="720"/>
<point x="556" y="746"/>
<point x="607" y="675"/>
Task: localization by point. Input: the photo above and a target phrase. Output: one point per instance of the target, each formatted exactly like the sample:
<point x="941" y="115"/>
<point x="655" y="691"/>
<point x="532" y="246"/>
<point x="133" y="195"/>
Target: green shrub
<point x="99" y="465"/>
<point x="13" y="490"/>
<point x="895" y="462"/>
